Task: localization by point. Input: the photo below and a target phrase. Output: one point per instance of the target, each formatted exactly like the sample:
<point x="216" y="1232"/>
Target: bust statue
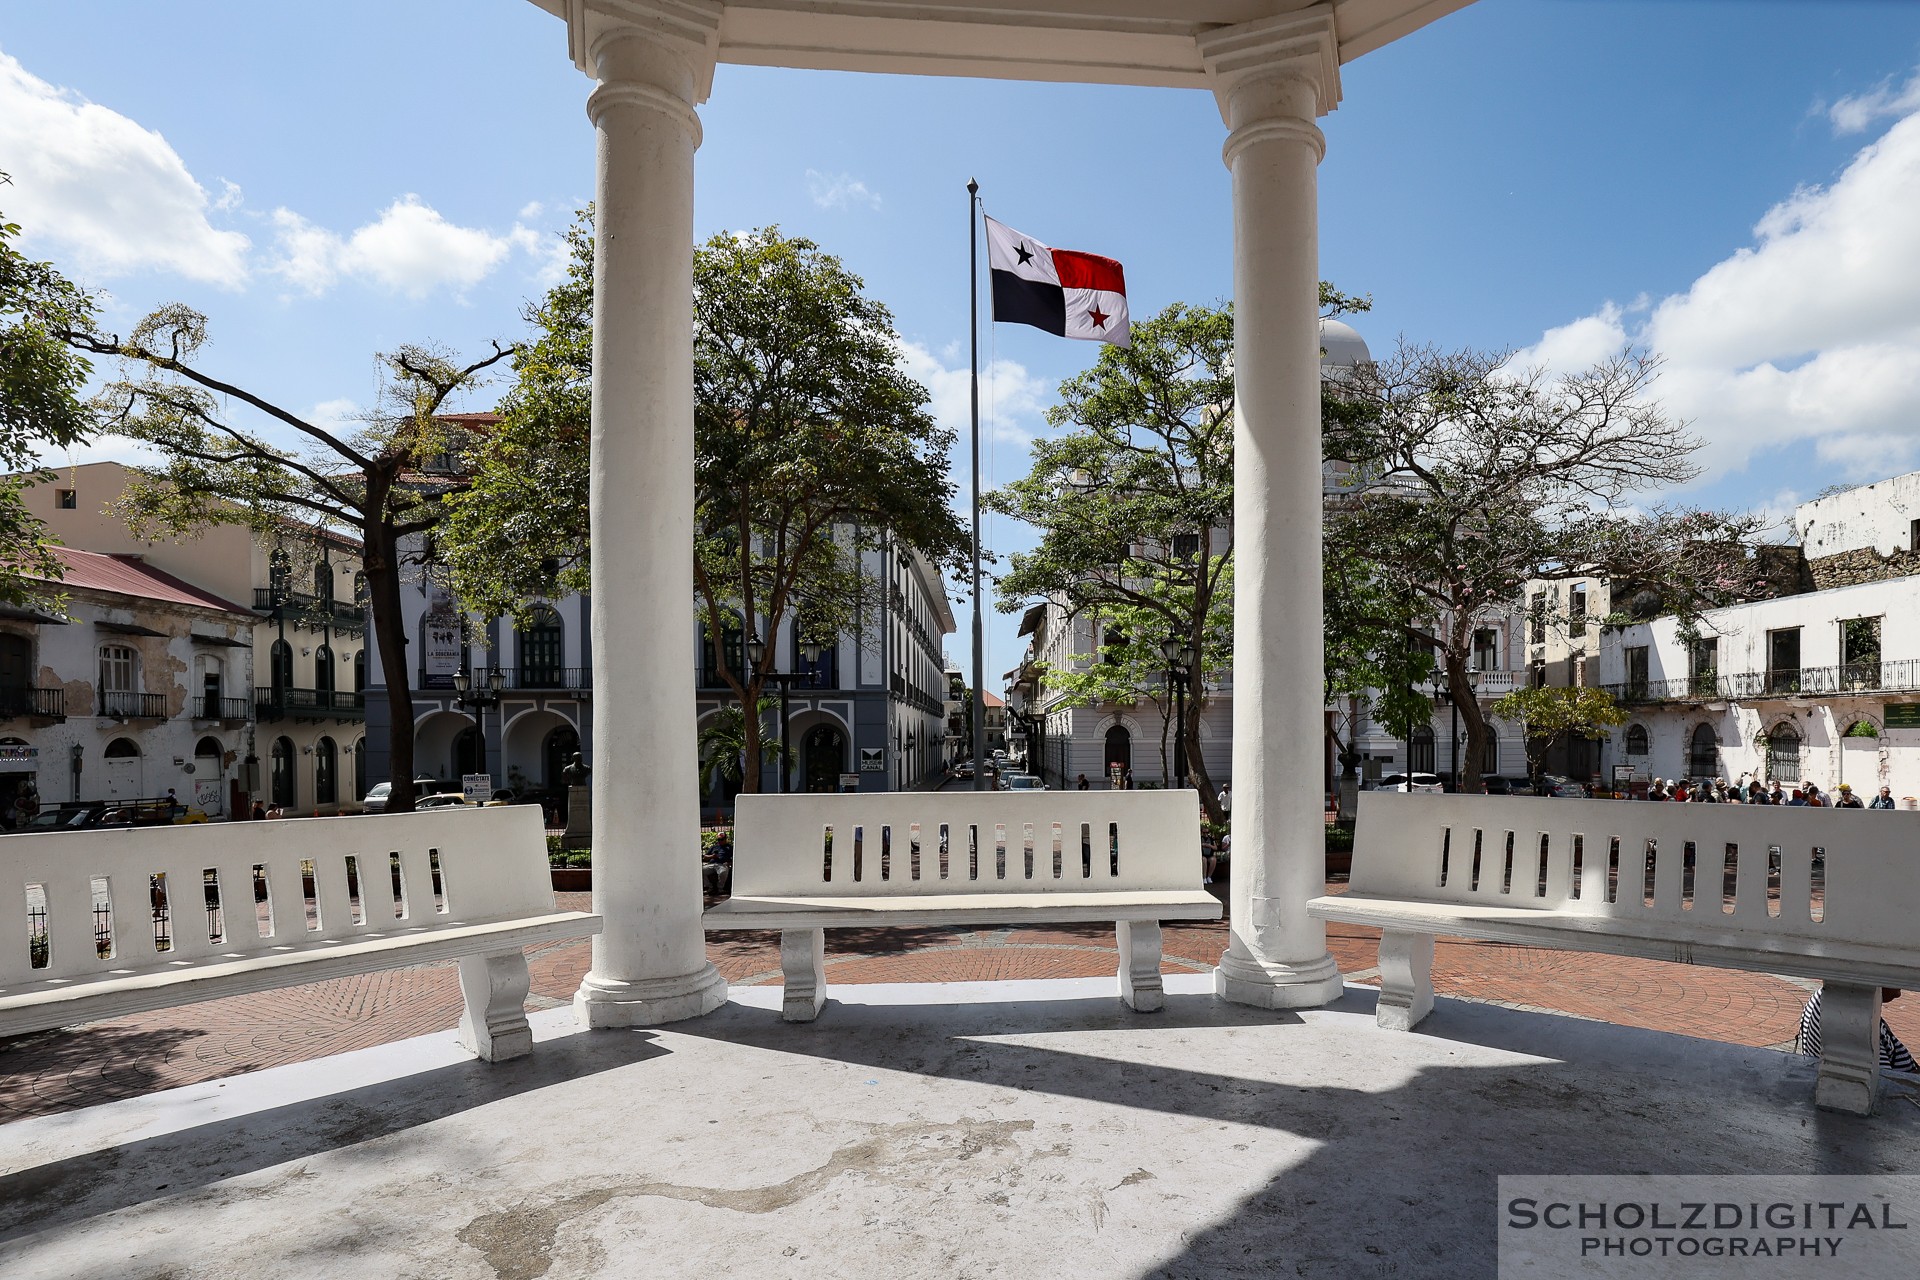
<point x="576" y="772"/>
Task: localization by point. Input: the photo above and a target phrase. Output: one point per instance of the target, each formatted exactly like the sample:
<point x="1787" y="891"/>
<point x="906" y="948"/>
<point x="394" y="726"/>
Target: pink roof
<point x="127" y="575"/>
<point x="987" y="699"/>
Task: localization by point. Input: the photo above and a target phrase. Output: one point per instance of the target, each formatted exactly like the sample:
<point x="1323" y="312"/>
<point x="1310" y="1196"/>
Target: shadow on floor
<point x="120" y="1177"/>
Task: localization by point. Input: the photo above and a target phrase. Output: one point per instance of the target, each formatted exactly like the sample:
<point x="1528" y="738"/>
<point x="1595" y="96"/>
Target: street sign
<point x="1623" y="773"/>
<point x="1903" y="715"/>
<point x="477" y="787"/>
<point x="849" y="782"/>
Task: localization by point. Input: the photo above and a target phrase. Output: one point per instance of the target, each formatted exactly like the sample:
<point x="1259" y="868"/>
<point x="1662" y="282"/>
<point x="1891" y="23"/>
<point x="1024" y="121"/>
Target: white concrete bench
<point x="100" y="924"/>
<point x="1816" y="893"/>
<point x="804" y="864"/>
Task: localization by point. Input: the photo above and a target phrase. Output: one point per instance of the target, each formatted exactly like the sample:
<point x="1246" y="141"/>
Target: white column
<point x="1273" y="78"/>
<point x="650" y="962"/>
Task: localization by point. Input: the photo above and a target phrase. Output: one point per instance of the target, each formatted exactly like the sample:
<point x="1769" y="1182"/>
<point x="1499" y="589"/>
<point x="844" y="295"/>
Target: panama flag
<point x="1076" y="295"/>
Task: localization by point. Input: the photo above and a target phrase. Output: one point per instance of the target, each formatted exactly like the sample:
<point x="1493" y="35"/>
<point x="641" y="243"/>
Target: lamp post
<point x="762" y="656"/>
<point x="1441" y="690"/>
<point x="479" y="698"/>
<point x="1180" y="658"/>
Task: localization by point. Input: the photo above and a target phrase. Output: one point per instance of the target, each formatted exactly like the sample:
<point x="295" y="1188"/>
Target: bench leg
<point x="1140" y="984"/>
<point x="803" y="967"/>
<point x="1406" y="979"/>
<point x="1849" y="1049"/>
<point x="494" y="986"/>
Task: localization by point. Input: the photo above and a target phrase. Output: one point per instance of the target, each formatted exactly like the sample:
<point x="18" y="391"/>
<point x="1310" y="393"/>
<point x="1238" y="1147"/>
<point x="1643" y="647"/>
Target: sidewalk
<point x="79" y="1067"/>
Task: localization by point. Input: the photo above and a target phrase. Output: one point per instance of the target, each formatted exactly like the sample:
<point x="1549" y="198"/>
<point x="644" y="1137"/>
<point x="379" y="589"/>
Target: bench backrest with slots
<point x="860" y="846"/>
<point x="1771" y="870"/>
<point x="241" y="888"/>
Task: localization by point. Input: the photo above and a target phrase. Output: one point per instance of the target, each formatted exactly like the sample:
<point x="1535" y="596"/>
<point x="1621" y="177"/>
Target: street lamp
<point x="1180" y="658"/>
<point x="1441" y="690"/>
<point x="761" y="655"/>
<point x="479" y="698"/>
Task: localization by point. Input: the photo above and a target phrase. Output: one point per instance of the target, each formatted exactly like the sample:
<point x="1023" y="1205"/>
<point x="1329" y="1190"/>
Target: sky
<point x="1733" y="184"/>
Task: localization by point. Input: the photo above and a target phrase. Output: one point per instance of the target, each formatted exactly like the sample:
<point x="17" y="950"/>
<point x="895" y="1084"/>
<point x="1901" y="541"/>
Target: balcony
<point x="302" y="609"/>
<point x="121" y="705"/>
<point x="280" y="703"/>
<point x="1847" y="679"/>
<point x="20" y="701"/>
<point x="232" y="710"/>
<point x="547" y="678"/>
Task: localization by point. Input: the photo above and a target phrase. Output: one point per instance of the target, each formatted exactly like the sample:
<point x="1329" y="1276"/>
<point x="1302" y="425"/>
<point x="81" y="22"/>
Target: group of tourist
<point x="1753" y="791"/>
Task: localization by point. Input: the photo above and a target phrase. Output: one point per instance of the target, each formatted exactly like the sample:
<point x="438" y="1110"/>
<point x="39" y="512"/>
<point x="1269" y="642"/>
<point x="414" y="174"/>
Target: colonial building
<point x="308" y="639"/>
<point x="135" y="684"/>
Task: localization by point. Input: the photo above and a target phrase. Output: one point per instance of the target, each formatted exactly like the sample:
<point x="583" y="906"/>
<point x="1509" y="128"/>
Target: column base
<point x="1276" y="985"/>
<point x="609" y="1002"/>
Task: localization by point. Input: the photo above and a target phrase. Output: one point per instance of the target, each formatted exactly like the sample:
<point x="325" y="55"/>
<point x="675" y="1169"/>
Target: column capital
<point x="1301" y="47"/>
<point x="690" y="29"/>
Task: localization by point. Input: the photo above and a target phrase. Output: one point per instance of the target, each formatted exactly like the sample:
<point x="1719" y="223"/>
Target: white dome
<point x="1343" y="346"/>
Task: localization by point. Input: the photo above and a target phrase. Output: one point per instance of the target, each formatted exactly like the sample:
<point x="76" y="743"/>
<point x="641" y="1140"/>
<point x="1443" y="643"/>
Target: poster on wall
<point x="440" y="647"/>
<point x="873" y="759"/>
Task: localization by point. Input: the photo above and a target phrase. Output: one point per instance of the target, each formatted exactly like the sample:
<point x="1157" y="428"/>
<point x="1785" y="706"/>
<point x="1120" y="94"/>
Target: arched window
<point x="360" y="589"/>
<point x="359" y="670"/>
<point x="123" y="749"/>
<point x="1703" y="753"/>
<point x="323" y="669"/>
<point x="1783" y="753"/>
<point x="1490" y="754"/>
<point x="541" y="660"/>
<point x="731" y="645"/>
<point x="1119" y="750"/>
<point x="1420" y="753"/>
<point x="209" y="747"/>
<point x="281" y="787"/>
<point x="326" y="776"/>
<point x="1636" y="740"/>
<point x="280" y="668"/>
<point x="323" y="581"/>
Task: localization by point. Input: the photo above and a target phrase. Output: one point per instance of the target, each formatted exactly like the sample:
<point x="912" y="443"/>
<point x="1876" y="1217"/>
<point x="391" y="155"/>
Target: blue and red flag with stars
<point x="1074" y="295"/>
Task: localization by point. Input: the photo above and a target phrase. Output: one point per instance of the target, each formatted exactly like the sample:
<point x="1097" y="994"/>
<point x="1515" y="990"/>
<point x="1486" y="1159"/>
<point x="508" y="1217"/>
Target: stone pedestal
<point x="579" y="833"/>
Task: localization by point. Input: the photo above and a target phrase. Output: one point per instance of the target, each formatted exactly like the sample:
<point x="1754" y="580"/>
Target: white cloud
<point x="1858" y="112"/>
<point x="341" y="416"/>
<point x="409" y="249"/>
<point x="840" y="191"/>
<point x="113" y="195"/>
<point x="1811" y="333"/>
<point x="1010" y="397"/>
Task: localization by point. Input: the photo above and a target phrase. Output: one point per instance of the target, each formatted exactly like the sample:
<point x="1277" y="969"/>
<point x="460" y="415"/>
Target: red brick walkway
<point x="77" y="1067"/>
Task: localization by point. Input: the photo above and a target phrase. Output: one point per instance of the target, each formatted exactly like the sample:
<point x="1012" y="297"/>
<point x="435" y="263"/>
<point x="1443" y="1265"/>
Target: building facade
<point x="134" y="685"/>
<point x="307" y="709"/>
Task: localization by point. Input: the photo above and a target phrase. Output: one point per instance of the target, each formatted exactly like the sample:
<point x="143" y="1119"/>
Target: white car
<point x="1022" y="782"/>
<point x="1426" y="784"/>
<point x="445" y="800"/>
<point x="376" y="799"/>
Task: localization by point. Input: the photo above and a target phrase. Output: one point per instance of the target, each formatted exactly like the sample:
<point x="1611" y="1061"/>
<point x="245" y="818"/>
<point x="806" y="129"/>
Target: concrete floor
<point x="1014" y="1129"/>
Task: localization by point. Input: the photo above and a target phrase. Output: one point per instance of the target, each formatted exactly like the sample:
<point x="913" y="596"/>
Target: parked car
<point x="1509" y="786"/>
<point x="1427" y="784"/>
<point x="68" y="817"/>
<point x="1022" y="782"/>
<point x="445" y="800"/>
<point x="964" y="769"/>
<point x="1552" y="784"/>
<point x="376" y="799"/>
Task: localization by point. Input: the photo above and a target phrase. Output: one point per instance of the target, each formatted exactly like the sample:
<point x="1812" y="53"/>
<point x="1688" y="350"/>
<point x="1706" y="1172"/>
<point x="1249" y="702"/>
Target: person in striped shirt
<point x="1893" y="1054"/>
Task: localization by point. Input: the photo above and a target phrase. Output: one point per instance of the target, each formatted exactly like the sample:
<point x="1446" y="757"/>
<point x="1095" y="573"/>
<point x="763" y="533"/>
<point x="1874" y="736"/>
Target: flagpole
<point x="979" y="632"/>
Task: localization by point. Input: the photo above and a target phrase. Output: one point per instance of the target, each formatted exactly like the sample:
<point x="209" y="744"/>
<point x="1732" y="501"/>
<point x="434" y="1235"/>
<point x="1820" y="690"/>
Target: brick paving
<point x="76" y="1067"/>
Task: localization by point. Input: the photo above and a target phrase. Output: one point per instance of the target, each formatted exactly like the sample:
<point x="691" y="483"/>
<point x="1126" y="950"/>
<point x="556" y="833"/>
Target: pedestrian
<point x="1756" y="794"/>
<point x="1893" y="1055"/>
<point x="1847" y="799"/>
<point x="1798" y="800"/>
<point x="1082" y="783"/>
<point x="1226" y="799"/>
<point x="1814" y="799"/>
<point x="1206" y="857"/>
<point x="1775" y="795"/>
<point x="174" y="807"/>
<point x="259" y="812"/>
<point x="1884" y="800"/>
<point x="1126" y="779"/>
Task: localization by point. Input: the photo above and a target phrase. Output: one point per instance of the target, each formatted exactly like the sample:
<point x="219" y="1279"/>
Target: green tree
<point x="41" y="378"/>
<point x="382" y="485"/>
<point x="1133" y="503"/>
<point x="1472" y="479"/>
<point x="1551" y="715"/>
<point x="811" y="447"/>
<point x="723" y="748"/>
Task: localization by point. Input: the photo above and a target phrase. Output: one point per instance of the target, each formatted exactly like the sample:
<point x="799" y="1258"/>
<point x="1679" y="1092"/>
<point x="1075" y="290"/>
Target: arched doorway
<point x="1783" y="754"/>
<point x="326" y="772"/>
<point x="556" y="753"/>
<point x="469" y="754"/>
<point x="823" y="758"/>
<point x="280" y="769"/>
<point x="1420" y="753"/>
<point x="1118" y="753"/>
<point x="123" y="769"/>
<point x="208" y="761"/>
<point x="1703" y="753"/>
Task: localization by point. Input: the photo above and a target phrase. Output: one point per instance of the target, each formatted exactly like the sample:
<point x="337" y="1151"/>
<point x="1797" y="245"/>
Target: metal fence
<point x="1900" y="676"/>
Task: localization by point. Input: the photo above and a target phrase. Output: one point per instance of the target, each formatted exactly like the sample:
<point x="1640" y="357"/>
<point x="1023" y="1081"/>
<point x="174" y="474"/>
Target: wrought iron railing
<point x="133" y="706"/>
<point x="209" y="708"/>
<point x="274" y="702"/>
<point x="343" y="615"/>
<point x="1901" y="676"/>
<point x="22" y="701"/>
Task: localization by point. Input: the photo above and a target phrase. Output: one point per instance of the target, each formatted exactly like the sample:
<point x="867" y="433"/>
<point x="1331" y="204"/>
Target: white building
<point x="139" y="684"/>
